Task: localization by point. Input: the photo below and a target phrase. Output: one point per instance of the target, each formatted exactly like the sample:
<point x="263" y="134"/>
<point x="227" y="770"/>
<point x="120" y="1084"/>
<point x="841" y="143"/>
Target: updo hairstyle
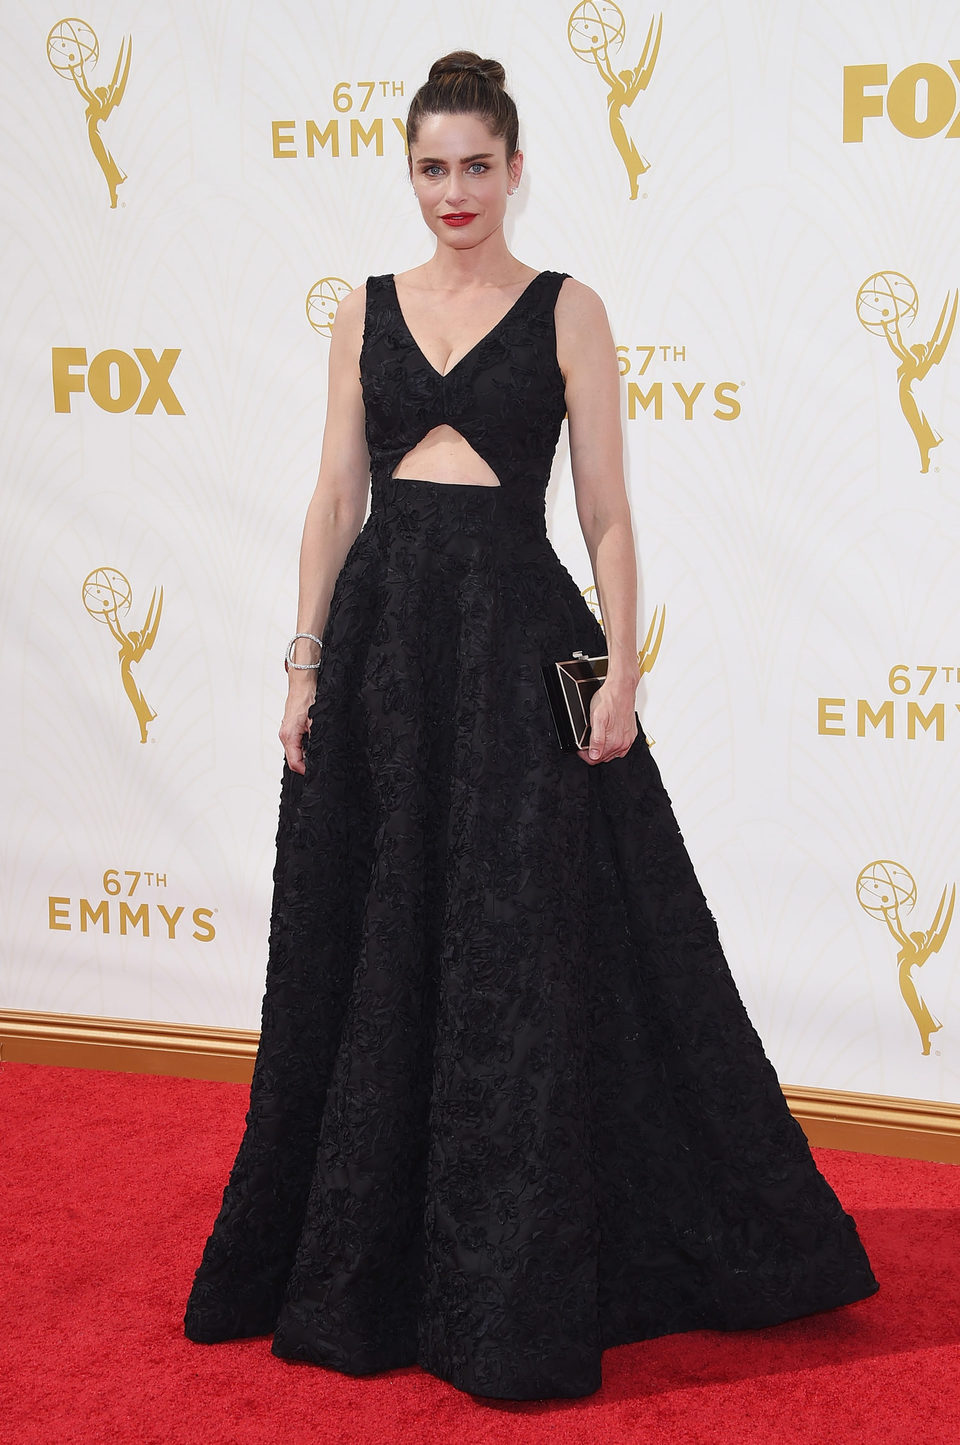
<point x="462" y="84"/>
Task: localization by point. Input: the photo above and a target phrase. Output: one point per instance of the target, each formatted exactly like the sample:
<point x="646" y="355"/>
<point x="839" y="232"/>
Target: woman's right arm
<point x="334" y="516"/>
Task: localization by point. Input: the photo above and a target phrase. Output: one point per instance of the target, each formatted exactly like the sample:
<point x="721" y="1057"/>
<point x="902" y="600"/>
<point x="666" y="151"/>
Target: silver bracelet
<point x="301" y="666"/>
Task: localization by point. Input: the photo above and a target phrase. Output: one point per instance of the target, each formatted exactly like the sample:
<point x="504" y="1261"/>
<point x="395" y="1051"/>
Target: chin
<point x="463" y="240"/>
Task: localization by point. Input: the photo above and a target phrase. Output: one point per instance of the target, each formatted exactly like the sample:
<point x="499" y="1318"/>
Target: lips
<point x="458" y="218"/>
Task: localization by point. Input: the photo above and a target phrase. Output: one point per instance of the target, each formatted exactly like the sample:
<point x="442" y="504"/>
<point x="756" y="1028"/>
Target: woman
<point x="507" y="1109"/>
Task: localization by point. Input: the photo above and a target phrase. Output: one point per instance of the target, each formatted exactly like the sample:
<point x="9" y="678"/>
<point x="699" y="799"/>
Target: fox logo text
<point x="920" y="101"/>
<point x="115" y="380"/>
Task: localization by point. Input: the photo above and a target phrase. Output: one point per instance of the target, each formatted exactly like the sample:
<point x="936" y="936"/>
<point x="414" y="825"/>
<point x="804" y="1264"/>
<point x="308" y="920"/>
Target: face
<point x="461" y="175"/>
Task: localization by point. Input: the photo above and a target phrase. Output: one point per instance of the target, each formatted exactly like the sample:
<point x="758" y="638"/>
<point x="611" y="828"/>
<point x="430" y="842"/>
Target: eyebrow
<point x="464" y="160"/>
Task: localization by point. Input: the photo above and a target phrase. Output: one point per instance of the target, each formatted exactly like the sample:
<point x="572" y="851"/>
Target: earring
<point x="511" y="190"/>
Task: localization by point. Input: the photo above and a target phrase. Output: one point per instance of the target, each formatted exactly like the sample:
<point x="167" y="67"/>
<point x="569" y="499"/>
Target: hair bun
<point x="459" y="61"/>
<point x="462" y="83"/>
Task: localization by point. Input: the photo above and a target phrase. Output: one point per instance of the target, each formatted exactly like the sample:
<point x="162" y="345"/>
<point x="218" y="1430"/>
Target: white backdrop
<point x="785" y="528"/>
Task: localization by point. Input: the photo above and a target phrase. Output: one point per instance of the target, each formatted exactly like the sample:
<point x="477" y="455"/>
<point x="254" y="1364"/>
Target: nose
<point x="454" y="189"/>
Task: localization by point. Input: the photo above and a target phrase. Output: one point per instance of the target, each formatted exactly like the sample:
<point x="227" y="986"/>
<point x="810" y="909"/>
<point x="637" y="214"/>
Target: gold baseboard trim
<point x="877" y="1123"/>
<point x="132" y="1046"/>
<point x="830" y="1118"/>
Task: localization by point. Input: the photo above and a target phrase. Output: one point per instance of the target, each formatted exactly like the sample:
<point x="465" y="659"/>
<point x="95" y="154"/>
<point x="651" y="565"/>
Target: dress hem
<point x="459" y="1380"/>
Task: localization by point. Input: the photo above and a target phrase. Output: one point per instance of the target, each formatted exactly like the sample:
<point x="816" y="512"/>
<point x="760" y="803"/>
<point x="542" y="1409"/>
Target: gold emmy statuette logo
<point x="594" y="28"/>
<point x="322" y="301"/>
<point x="886" y="890"/>
<point x="72" y="49"/>
<point x="106" y="595"/>
<point x="883" y="302"/>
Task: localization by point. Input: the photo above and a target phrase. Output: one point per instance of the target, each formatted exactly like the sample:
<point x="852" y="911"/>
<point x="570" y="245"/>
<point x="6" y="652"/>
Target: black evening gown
<point x="508" y="1109"/>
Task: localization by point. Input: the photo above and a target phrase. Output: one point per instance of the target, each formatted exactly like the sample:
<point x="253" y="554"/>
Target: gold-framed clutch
<point x="569" y="686"/>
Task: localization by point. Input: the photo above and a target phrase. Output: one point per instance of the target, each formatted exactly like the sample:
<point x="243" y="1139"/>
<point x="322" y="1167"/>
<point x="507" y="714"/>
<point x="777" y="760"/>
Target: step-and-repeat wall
<point x="766" y="197"/>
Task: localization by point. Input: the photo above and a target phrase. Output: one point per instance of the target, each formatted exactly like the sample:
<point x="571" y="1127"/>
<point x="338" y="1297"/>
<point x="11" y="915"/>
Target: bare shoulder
<point x="579" y="308"/>
<point x="351" y="310"/>
<point x="584" y="341"/>
<point x="346" y="334"/>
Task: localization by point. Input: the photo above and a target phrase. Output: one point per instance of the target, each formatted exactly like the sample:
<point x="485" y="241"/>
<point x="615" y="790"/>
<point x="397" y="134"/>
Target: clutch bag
<point x="570" y="685"/>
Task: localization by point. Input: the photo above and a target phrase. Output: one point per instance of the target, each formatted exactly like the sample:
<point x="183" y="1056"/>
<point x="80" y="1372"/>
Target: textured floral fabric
<point x="508" y="1109"/>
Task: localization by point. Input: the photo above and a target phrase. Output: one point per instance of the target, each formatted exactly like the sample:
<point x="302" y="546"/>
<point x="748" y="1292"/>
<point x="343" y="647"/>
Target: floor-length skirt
<point x="508" y="1109"/>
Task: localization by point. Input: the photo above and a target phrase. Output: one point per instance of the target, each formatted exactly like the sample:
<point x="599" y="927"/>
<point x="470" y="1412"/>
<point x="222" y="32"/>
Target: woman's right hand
<point x="296" y="723"/>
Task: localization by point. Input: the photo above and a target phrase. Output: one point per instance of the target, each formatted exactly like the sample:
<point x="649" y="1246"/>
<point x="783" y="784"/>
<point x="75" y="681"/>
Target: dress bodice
<point x="505" y="396"/>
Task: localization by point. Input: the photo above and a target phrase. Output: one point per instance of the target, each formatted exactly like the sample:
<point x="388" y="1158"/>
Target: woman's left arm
<point x="588" y="360"/>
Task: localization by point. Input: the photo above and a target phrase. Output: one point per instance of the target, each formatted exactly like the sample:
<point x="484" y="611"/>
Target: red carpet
<point x="111" y="1182"/>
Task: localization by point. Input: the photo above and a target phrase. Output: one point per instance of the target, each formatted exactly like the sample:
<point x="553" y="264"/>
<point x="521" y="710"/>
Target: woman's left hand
<point x="613" y="724"/>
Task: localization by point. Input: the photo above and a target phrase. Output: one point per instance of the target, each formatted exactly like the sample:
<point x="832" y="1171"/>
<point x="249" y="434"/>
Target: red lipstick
<point x="458" y="218"/>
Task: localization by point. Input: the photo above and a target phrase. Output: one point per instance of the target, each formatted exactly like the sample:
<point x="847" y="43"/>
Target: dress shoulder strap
<point x="549" y="283"/>
<point x="378" y="289"/>
<point x="377" y="312"/>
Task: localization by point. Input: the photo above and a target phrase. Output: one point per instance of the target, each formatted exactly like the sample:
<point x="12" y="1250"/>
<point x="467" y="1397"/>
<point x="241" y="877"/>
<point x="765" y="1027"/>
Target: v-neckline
<point x="467" y="354"/>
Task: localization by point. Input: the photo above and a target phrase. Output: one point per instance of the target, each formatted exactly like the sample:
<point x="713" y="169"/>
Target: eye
<point x="478" y="168"/>
<point x="432" y="170"/>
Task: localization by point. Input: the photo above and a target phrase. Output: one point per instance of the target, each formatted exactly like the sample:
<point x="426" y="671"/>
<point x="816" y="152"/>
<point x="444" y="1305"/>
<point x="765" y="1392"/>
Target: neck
<point x="489" y="263"/>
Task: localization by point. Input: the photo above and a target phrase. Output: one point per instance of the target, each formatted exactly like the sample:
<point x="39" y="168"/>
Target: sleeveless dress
<point x="508" y="1109"/>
